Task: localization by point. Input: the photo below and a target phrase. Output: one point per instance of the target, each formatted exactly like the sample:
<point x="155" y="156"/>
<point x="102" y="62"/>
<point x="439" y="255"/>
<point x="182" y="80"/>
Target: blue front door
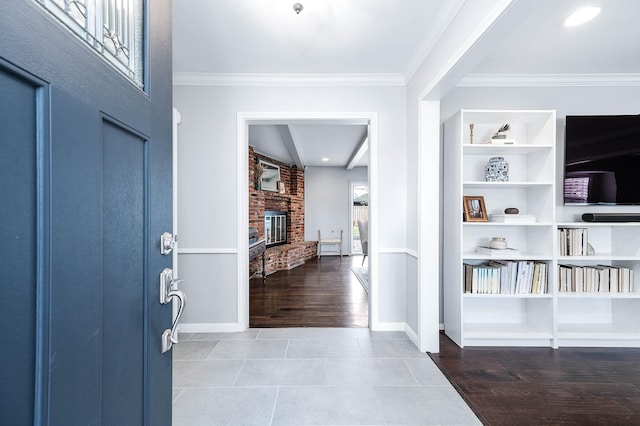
<point x="85" y="174"/>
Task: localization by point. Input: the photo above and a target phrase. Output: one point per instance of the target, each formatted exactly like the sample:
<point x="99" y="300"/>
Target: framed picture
<point x="474" y="209"/>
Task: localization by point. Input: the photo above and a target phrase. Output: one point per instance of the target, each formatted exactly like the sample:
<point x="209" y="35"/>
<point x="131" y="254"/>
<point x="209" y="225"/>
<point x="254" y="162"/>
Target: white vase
<point x="496" y="170"/>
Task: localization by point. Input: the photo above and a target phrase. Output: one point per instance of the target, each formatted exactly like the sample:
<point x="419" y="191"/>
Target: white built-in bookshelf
<point x="552" y="318"/>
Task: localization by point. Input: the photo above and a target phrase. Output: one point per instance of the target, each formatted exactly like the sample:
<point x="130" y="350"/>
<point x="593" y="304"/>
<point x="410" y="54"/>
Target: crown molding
<point x="398" y="80"/>
<point x="550" y="80"/>
<point x="294" y="80"/>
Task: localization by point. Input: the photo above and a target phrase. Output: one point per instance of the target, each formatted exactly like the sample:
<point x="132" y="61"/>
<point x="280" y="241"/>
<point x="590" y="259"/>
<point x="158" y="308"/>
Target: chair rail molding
<point x="207" y="250"/>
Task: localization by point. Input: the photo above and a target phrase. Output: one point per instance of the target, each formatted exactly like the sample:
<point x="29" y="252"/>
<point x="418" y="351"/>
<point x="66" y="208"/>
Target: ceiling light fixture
<point x="325" y="159"/>
<point x="297" y="7"/>
<point x="582" y="16"/>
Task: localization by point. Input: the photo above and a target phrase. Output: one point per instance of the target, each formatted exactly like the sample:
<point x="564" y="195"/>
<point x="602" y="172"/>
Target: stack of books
<point x="506" y="277"/>
<point x="595" y="279"/>
<point x="573" y="241"/>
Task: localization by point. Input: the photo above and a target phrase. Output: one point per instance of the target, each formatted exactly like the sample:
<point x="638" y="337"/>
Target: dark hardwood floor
<point x="321" y="293"/>
<point x="543" y="386"/>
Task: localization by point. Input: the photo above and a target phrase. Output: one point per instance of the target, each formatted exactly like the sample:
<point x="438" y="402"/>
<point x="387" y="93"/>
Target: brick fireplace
<point x="295" y="251"/>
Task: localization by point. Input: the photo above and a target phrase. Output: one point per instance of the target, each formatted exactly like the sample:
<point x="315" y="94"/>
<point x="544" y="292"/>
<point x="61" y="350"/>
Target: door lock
<point x="167" y="242"/>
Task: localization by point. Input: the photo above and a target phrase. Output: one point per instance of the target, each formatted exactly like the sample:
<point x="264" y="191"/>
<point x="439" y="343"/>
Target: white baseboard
<point x="235" y="327"/>
<point x="413" y="336"/>
<point x="400" y="326"/>
<point x="209" y="328"/>
<point x="390" y="326"/>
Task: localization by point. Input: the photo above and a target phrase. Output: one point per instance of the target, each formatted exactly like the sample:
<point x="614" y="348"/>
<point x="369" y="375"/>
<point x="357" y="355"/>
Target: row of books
<point x="573" y="241"/>
<point x="595" y="279"/>
<point x="506" y="277"/>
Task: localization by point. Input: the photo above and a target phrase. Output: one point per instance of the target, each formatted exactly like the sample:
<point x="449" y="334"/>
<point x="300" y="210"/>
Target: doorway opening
<point x="306" y="193"/>
<point x="287" y="119"/>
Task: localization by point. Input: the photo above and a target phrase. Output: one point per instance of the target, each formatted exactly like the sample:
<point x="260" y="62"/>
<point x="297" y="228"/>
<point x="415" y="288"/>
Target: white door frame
<point x="242" y="145"/>
<point x="177" y="120"/>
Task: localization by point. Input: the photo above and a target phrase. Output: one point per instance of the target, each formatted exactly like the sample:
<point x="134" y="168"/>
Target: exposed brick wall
<point x="296" y="251"/>
<point x="292" y="201"/>
<point x="284" y="257"/>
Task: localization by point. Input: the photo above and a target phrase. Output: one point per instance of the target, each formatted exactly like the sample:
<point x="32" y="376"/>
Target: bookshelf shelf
<point x="505" y="185"/>
<point x="511" y="331"/>
<point x="517" y="148"/>
<point x="598" y="331"/>
<point x="598" y="224"/>
<point x="590" y="335"/>
<point x="598" y="257"/>
<point x="500" y="334"/>
<point x="584" y="295"/>
<point x="507" y="296"/>
<point x="519" y="225"/>
<point x="523" y="256"/>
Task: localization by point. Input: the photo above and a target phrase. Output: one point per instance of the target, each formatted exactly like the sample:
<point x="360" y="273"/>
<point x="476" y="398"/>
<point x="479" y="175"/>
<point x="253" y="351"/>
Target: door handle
<point x="168" y="290"/>
<point x="167" y="284"/>
<point x="169" y="337"/>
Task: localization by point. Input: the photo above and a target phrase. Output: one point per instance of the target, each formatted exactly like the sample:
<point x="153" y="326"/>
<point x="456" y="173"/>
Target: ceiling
<point x="310" y="143"/>
<point x="541" y="44"/>
<point x="327" y="37"/>
<point x="382" y="38"/>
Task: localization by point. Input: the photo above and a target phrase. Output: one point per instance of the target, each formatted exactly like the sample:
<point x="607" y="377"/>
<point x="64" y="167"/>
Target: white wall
<point x="565" y="100"/>
<point x="327" y="203"/>
<point x="208" y="178"/>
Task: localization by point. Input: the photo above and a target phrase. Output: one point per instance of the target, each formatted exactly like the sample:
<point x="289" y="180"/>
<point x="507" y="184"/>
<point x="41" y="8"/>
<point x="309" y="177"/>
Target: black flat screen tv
<point x="602" y="159"/>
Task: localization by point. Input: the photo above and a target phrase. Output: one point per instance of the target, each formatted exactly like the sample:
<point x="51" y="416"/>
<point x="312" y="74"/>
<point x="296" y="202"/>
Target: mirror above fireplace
<point x="270" y="177"/>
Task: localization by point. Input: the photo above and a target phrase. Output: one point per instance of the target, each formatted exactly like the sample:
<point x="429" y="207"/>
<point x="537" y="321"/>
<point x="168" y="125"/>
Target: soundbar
<point x="611" y="217"/>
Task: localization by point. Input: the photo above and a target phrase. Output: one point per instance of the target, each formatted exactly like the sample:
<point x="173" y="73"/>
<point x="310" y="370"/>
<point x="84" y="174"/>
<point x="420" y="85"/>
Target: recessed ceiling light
<point x="325" y="159"/>
<point x="582" y="15"/>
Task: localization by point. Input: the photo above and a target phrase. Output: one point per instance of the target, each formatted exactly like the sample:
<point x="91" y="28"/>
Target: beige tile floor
<point x="310" y="376"/>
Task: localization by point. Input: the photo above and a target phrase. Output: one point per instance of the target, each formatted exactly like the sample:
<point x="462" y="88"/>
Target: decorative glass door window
<point x="114" y="28"/>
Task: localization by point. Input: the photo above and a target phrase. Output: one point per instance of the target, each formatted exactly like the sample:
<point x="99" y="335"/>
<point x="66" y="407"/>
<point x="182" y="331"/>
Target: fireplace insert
<point x="275" y="228"/>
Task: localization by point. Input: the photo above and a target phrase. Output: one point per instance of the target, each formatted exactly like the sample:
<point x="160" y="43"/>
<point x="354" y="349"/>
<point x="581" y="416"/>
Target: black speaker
<point x="611" y="217"/>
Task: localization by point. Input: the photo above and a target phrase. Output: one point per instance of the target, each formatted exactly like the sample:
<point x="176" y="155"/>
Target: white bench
<point x="329" y="241"/>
